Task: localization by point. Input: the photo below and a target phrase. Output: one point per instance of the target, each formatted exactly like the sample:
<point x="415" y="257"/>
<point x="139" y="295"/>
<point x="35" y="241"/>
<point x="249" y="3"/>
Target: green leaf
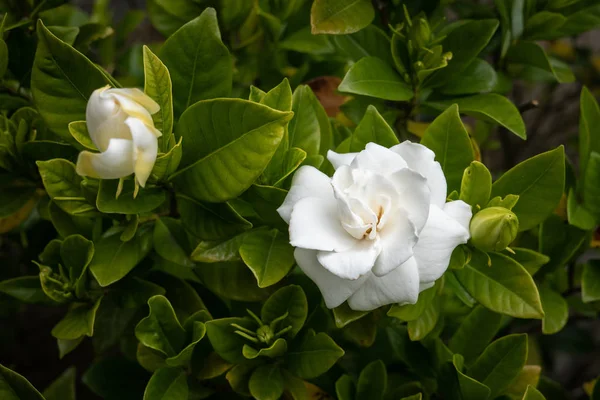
<point x="529" y="376"/>
<point x="116" y="378"/>
<point x="372" y="382"/>
<point x="556" y="310"/>
<point x="199" y="63"/>
<point x="530" y="53"/>
<point x="373" y="77"/>
<point x="166" y="164"/>
<point x="148" y="198"/>
<point x="501" y="363"/>
<point x="307" y="129"/>
<point x="44" y="150"/>
<point x="211" y="252"/>
<point x="210" y="221"/>
<point x="477" y="77"/>
<point x="477" y="33"/>
<point x="340" y="17"/>
<point x="368" y="42"/>
<point x="344" y="388"/>
<point x="78" y="321"/>
<point x="76" y="253"/>
<point x="79" y="131"/>
<point x="170" y="241"/>
<point x="450" y="142"/>
<point x="3" y="58"/>
<point x="63" y="387"/>
<point x="290" y="299"/>
<point x="531" y="260"/>
<point x="26" y="289"/>
<point x="268" y="254"/>
<point x="543" y="24"/>
<point x="539" y="182"/>
<point x="232" y="140"/>
<point x="62" y="80"/>
<point x="161" y="330"/>
<point x="280" y="97"/>
<point x="490" y="107"/>
<point x="224" y="341"/>
<point x="344" y="315"/>
<point x="114" y="259"/>
<point x="411" y="312"/>
<point x="504" y="287"/>
<point x="15" y="387"/>
<point x="266" y="383"/>
<point x="157" y="85"/>
<point x="64" y="186"/>
<point x="314" y="357"/>
<point x="169" y="15"/>
<point x="232" y="280"/>
<point x="372" y="128"/>
<point x="277" y="349"/>
<point x="13" y="195"/>
<point x="167" y="384"/>
<point x="198" y="329"/>
<point x="589" y="120"/>
<point x="303" y="41"/>
<point x="533" y="394"/>
<point x="590" y="282"/>
<point x="420" y="327"/>
<point x="476" y="185"/>
<point x="238" y="378"/>
<point x="590" y="186"/>
<point x="469" y="388"/>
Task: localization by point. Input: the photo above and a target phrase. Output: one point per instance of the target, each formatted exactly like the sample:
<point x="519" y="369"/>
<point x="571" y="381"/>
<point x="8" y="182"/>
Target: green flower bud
<point x="421" y="33"/>
<point x="493" y="228"/>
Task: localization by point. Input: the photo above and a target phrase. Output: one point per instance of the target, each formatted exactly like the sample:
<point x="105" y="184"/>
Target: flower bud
<point x="421" y="33"/>
<point x="493" y="228"/>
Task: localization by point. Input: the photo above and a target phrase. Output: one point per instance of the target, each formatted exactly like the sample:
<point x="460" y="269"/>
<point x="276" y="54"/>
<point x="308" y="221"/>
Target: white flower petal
<point x="335" y="290"/>
<point x="399" y="286"/>
<point x="115" y="162"/>
<point x="339" y="159"/>
<point x="352" y="263"/>
<point x="460" y="211"/>
<point x="145" y="145"/>
<point x="437" y="240"/>
<point x="378" y="159"/>
<point x="425" y="285"/>
<point x="105" y="119"/>
<point x="315" y="224"/>
<point x="307" y="182"/>
<point x="422" y="160"/>
<point x="397" y="238"/>
<point x="413" y="195"/>
<point x="137" y="96"/>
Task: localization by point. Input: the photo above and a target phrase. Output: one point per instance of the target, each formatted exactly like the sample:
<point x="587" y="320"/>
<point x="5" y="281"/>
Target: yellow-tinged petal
<point x="145" y="147"/>
<point x="116" y="162"/>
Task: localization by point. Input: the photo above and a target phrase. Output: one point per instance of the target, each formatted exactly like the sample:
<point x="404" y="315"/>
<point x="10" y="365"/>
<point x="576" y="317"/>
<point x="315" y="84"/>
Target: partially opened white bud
<point x="120" y="124"/>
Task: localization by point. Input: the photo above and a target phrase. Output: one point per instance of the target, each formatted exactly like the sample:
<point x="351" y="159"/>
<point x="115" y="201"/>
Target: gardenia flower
<point x="120" y="124"/>
<point x="379" y="231"/>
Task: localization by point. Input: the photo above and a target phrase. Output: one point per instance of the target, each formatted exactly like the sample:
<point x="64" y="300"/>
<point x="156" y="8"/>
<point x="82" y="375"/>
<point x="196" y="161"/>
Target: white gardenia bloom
<point x="379" y="231"/>
<point x="120" y="124"/>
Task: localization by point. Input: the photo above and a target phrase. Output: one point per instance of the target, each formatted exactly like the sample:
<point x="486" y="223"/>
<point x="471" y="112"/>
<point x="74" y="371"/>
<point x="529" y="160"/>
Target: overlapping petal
<point x="307" y="182"/>
<point x="352" y="263"/>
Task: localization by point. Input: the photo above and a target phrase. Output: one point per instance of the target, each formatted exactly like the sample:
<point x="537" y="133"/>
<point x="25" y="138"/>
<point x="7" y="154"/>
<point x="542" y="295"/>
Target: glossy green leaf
<point x="226" y="343"/>
<point x="79" y="131"/>
<point x="476" y="185"/>
<point x="78" y="321"/>
<point x="368" y="42"/>
<point x="556" y="310"/>
<point x="344" y="315"/>
<point x="411" y="312"/>
<point x="277" y="349"/>
<point x="529" y="376"/>
<point x="531" y="260"/>
<point x="530" y="53"/>
<point x="477" y="77"/>
<point x="303" y="41"/>
<point x="169" y="15"/>
<point x="340" y="17"/>
<point x="266" y="383"/>
<point x="114" y="259"/>
<point x="372" y="382"/>
<point x="147" y="199"/>
<point x="170" y="241"/>
<point x="238" y="378"/>
<point x="3" y="58"/>
<point x="501" y="363"/>
<point x="232" y="280"/>
<point x="166" y="164"/>
<point x="469" y="388"/>
<point x="291" y="300"/>
<point x="344" y="388"/>
<point x="477" y="33"/>
<point x="76" y="254"/>
<point x="62" y="80"/>
<point x="268" y="254"/>
<point x="26" y="289"/>
<point x="490" y="107"/>
<point x="539" y="182"/>
<point x="157" y="85"/>
<point x="420" y="327"/>
<point x="591" y="185"/>
<point x="199" y="63"/>
<point x="533" y="394"/>
<point x="450" y="142"/>
<point x="315" y="356"/>
<point x="66" y="224"/>
<point x="228" y="143"/>
<point x="63" y="387"/>
<point x="210" y="221"/>
<point x="198" y="330"/>
<point x="373" y="77"/>
<point x="63" y="186"/>
<point x="589" y="120"/>
<point x="211" y="252"/>
<point x="161" y="330"/>
<point x="372" y="128"/>
<point x="543" y="24"/>
<point x="14" y="386"/>
<point x="310" y="126"/>
<point x="167" y="384"/>
<point x="504" y="287"/>
<point x="590" y="282"/>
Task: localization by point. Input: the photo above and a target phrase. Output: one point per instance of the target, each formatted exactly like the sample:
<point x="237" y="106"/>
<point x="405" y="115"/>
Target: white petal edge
<point x="314" y="224"/>
<point x="335" y="290"/>
<point x="339" y="159"/>
<point x="399" y="286"/>
<point x="115" y="162"/>
<point x="352" y="263"/>
<point x="414" y="195"/>
<point x="378" y="159"/>
<point x="460" y="211"/>
<point x="145" y="146"/>
<point x="307" y="182"/>
<point x="437" y="240"/>
<point x="422" y="160"/>
<point x="397" y="239"/>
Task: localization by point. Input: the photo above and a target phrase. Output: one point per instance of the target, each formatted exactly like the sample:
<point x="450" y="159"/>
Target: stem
<point x="241" y="328"/>
<point x="246" y="336"/>
<point x="282" y="332"/>
<point x="255" y="317"/>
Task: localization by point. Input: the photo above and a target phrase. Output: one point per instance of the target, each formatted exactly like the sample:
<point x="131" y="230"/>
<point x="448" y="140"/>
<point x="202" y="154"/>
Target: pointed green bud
<point x="494" y="228"/>
<point x="421" y="33"/>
